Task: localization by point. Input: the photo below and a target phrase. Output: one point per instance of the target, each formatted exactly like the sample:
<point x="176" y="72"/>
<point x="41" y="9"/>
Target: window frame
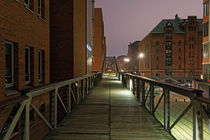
<point x="40" y="65"/>
<point x="7" y="85"/>
<point x="29" y="65"/>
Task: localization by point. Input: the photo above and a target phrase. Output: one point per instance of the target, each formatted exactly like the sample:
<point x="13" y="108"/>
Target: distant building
<point x="133" y="56"/>
<point x="122" y="65"/>
<point x="173" y="49"/>
<point x="25" y="58"/>
<point x="99" y="41"/>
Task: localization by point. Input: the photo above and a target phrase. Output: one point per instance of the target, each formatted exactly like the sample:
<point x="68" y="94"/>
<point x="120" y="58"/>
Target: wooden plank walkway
<point x="110" y="112"/>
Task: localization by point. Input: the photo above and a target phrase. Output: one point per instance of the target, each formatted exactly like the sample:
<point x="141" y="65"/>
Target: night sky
<point x="130" y="20"/>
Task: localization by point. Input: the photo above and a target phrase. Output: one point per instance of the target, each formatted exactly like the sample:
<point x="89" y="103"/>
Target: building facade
<point x="206" y="39"/>
<point x="133" y="56"/>
<point x="99" y="40"/>
<point x="24" y="57"/>
<point x="90" y="34"/>
<point x="173" y="49"/>
<point x="68" y="38"/>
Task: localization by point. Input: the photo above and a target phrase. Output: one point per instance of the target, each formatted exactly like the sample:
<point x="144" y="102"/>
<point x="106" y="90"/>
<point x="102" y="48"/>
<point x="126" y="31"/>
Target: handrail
<point x="176" y="88"/>
<point x="13" y="101"/>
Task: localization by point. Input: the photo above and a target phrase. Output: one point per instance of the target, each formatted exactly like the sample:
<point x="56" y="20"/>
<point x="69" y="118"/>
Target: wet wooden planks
<point x="110" y="112"/>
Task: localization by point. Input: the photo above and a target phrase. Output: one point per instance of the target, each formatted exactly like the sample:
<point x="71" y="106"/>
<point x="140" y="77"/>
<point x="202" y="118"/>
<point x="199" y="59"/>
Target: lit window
<point x="205" y="9"/>
<point x="27" y="65"/>
<point x="205" y="51"/>
<point x="205" y="29"/>
<point x="9" y="58"/>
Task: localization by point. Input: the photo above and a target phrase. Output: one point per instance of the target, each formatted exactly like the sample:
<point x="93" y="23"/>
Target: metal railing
<point x="189" y="116"/>
<point x="77" y="89"/>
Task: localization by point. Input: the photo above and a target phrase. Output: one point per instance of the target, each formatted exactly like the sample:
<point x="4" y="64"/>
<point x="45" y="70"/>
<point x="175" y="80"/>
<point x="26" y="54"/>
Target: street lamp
<point x="127" y="60"/>
<point x="141" y="55"/>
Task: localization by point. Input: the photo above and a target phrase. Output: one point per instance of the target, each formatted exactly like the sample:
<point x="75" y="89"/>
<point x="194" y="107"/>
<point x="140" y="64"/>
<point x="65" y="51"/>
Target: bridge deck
<point x="110" y="112"/>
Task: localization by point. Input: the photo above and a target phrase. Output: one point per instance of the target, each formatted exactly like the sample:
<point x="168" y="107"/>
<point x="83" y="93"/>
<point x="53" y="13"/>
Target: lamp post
<point x="140" y="56"/>
<point x="126" y="60"/>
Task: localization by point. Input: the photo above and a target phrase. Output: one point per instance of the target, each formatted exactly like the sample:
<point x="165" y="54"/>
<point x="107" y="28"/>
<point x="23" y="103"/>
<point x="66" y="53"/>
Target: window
<point x="27" y="65"/>
<point x="205" y="29"/>
<point x="206" y="9"/>
<point x="192" y="46"/>
<point x="41" y="8"/>
<point x="189" y="46"/>
<point x="168" y="34"/>
<point x="40" y="65"/>
<point x="180" y="42"/>
<point x="205" y="51"/>
<point x="157" y="67"/>
<point x="179" y="66"/>
<point x="157" y="43"/>
<point x="9" y="58"/>
<point x="179" y="57"/>
<point x="29" y="4"/>
<point x="180" y="50"/>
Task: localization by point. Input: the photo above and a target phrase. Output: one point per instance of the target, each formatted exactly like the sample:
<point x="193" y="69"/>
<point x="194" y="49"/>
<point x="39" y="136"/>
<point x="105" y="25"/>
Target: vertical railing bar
<point x="166" y="109"/>
<point x="27" y="120"/>
<point x="152" y="99"/>
<point x="69" y="98"/>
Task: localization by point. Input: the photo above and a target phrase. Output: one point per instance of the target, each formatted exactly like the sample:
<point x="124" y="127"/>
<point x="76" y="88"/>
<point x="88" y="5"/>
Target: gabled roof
<point x="177" y="23"/>
<point x="134" y="45"/>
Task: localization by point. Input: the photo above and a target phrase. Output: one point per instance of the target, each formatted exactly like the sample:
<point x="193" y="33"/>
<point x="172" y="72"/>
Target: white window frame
<point x="40" y="65"/>
<point x="29" y="65"/>
<point x="12" y="83"/>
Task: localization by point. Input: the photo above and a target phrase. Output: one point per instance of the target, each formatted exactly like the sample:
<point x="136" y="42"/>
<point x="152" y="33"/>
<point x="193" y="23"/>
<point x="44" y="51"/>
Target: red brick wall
<point x="61" y="39"/>
<point x="80" y="54"/>
<point x="155" y="55"/>
<point x="98" y="40"/>
<point x="25" y="28"/>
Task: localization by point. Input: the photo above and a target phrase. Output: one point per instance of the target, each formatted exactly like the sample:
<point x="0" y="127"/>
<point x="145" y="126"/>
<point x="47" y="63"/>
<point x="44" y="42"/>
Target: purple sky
<point x="130" y="20"/>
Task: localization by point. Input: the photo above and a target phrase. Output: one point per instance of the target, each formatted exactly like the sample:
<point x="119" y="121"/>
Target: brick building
<point x="133" y="56"/>
<point x="24" y="56"/>
<point x="122" y="65"/>
<point x="206" y="39"/>
<point x="68" y="39"/>
<point x="99" y="40"/>
<point x="173" y="49"/>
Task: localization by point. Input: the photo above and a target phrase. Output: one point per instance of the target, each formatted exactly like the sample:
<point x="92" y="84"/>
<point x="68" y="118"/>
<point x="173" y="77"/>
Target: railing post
<point x="197" y="121"/>
<point x="152" y="99"/>
<point x="82" y="88"/>
<point x="77" y="92"/>
<point x="133" y="85"/>
<point x="138" y="88"/>
<point x="27" y="120"/>
<point x="69" y="98"/>
<point x="166" y="109"/>
<point x="143" y="92"/>
<point x="86" y="86"/>
<point x="54" y="107"/>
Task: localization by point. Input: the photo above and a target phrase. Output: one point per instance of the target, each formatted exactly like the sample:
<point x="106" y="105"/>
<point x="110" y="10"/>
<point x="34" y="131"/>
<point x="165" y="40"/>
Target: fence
<point x="182" y="111"/>
<point x="77" y="89"/>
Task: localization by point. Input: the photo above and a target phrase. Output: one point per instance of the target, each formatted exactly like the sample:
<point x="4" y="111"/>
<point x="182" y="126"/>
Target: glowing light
<point x="131" y="84"/>
<point x="89" y="48"/>
<point x="141" y="55"/>
<point x="127" y="60"/>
